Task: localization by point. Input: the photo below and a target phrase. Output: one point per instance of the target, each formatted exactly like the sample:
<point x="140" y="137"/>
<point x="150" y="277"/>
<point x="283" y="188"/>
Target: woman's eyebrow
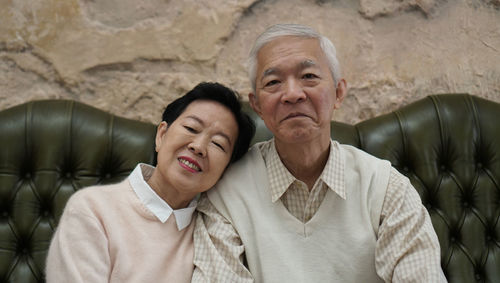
<point x="220" y="133"/>
<point x="196" y="119"/>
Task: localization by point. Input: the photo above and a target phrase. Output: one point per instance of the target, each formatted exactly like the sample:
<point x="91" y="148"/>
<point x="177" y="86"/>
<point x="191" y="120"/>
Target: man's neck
<point x="304" y="160"/>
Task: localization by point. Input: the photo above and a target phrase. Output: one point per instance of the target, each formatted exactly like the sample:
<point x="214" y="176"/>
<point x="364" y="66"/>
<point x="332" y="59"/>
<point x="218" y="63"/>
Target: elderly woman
<point x="140" y="230"/>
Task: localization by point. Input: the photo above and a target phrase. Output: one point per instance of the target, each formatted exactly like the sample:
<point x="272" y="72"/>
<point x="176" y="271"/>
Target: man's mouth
<point x="189" y="164"/>
<point x="295" y="115"/>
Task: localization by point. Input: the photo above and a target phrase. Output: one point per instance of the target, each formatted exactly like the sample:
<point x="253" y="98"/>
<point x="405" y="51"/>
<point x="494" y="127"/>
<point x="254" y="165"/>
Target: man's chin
<point x="297" y="135"/>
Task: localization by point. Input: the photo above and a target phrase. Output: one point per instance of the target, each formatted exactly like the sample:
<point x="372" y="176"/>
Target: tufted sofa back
<point x="48" y="150"/>
<point x="448" y="145"/>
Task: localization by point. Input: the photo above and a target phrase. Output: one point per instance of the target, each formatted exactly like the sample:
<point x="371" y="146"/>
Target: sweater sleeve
<point x="79" y="248"/>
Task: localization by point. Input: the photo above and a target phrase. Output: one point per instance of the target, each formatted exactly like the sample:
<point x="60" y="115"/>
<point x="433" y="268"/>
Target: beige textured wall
<point x="132" y="57"/>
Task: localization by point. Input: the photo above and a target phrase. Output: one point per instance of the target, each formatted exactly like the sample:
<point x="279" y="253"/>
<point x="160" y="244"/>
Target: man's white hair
<point x="280" y="30"/>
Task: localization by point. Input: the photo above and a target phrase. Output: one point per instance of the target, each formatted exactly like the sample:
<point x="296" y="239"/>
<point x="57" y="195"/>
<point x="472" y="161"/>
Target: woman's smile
<point x="189" y="164"/>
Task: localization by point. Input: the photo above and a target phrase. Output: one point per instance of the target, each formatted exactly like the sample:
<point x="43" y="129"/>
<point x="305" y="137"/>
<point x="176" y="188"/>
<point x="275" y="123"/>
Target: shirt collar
<point x="334" y="171"/>
<point x="280" y="178"/>
<point x="155" y="203"/>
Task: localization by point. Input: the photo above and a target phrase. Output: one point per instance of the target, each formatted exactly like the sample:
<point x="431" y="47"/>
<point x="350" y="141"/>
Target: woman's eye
<point x="191" y="130"/>
<point x="219" y="146"/>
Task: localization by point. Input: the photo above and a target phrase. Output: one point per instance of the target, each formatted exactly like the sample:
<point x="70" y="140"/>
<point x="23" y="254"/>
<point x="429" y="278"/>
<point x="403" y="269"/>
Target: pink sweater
<point x="107" y="235"/>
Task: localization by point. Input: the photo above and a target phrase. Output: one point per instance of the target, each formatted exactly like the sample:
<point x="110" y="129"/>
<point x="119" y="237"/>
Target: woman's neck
<point x="174" y="198"/>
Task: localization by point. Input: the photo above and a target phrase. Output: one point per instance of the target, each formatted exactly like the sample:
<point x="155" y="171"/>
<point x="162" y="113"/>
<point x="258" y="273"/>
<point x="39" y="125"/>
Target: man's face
<point x="295" y="92"/>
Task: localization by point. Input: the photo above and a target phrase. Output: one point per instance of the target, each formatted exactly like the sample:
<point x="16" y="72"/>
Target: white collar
<point x="156" y="204"/>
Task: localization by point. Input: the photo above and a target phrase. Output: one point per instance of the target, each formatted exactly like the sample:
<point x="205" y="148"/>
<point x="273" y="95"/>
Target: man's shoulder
<point x="359" y="162"/>
<point x="352" y="153"/>
<point x="249" y="161"/>
<point x="250" y="171"/>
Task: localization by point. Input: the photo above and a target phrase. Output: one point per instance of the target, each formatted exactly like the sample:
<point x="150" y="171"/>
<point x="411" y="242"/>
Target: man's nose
<point x="198" y="146"/>
<point x="293" y="92"/>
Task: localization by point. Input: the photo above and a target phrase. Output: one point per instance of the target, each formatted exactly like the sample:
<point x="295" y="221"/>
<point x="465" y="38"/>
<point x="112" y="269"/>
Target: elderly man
<point x="302" y="207"/>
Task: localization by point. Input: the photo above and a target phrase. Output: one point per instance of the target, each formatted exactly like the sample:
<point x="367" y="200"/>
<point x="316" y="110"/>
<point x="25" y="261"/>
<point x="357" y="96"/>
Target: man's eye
<point x="309" y="76"/>
<point x="271" y="83"/>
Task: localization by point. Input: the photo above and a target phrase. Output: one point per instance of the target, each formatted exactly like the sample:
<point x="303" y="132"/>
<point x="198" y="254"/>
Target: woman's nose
<point x="198" y="147"/>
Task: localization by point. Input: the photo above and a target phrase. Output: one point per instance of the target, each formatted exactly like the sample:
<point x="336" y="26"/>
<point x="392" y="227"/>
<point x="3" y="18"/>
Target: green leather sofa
<point x="448" y="145"/>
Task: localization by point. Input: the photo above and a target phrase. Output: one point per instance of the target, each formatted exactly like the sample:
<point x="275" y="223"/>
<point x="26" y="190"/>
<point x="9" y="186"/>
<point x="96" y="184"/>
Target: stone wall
<point x="132" y="57"/>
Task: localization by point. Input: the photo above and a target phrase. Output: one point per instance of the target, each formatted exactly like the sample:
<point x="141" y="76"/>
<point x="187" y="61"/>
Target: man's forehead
<point x="286" y="46"/>
<point x="304" y="64"/>
<point x="290" y="38"/>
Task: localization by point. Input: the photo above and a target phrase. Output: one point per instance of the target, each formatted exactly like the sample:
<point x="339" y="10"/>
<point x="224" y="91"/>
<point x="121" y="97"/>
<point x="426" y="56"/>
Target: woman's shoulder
<point x="96" y="197"/>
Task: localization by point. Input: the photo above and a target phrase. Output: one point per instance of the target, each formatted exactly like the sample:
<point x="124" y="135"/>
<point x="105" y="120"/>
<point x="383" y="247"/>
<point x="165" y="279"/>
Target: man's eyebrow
<point x="304" y="64"/>
<point x="268" y="72"/>
<point x="308" y="63"/>
<point x="220" y="133"/>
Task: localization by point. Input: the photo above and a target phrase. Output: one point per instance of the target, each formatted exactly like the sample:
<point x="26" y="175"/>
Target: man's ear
<point x="254" y="103"/>
<point x="160" y="133"/>
<point x="340" y="93"/>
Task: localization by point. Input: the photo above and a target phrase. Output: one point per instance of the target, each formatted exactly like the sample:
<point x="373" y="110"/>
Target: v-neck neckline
<point x="304" y="229"/>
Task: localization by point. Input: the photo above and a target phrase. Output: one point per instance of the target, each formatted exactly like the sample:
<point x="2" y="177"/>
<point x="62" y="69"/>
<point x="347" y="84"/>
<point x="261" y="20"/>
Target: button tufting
<point x="27" y="176"/>
<point x="108" y="175"/>
<point x="477" y="276"/>
<point x="453" y="239"/>
<point x="480" y="165"/>
<point x="406" y="169"/>
<point x="443" y="168"/>
<point x="68" y="175"/>
<point x="5" y="214"/>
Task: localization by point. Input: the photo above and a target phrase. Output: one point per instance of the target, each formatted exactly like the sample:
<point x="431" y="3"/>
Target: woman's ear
<point x="160" y="133"/>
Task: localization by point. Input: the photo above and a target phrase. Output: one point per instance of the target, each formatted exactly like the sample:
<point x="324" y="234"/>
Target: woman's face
<point x="194" y="150"/>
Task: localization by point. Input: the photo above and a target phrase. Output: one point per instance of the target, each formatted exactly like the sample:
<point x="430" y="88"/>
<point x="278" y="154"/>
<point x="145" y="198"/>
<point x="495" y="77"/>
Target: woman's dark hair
<point x="225" y="96"/>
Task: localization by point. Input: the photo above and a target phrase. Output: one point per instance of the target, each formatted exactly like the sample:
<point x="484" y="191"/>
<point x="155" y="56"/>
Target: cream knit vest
<point x="336" y="245"/>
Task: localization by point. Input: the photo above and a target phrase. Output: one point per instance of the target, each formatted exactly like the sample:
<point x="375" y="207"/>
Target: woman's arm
<point x="79" y="249"/>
